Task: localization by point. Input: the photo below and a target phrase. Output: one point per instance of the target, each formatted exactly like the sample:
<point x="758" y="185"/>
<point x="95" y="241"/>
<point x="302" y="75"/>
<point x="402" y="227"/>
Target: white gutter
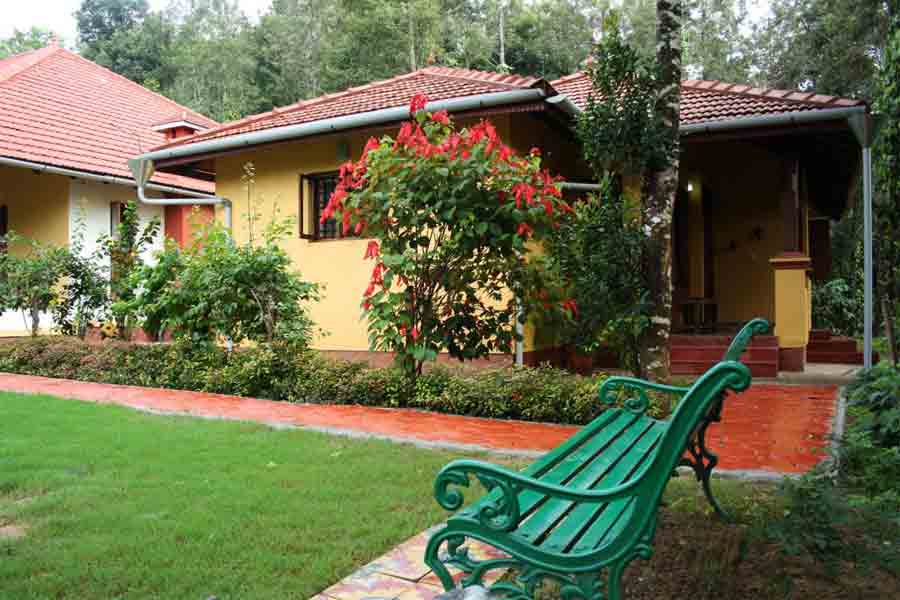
<point x="796" y="118"/>
<point x="375" y="117"/>
<point x="43" y="168"/>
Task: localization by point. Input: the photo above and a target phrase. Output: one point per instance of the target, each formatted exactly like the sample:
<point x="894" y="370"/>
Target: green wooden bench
<point x="586" y="509"/>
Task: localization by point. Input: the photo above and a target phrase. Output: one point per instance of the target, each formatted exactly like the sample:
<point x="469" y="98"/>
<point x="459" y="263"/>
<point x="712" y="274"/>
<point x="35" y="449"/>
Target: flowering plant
<point x="451" y="212"/>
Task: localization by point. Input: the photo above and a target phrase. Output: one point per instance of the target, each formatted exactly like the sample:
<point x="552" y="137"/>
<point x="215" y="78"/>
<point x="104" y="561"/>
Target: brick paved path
<point x="769" y="427"/>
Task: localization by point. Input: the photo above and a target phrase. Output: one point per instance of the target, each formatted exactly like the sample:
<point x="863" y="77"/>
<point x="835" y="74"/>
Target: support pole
<point x="520" y="343"/>
<point x="867" y="256"/>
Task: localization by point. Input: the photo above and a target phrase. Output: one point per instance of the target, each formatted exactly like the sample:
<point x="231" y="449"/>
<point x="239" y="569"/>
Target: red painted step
<point x="820" y="334"/>
<point x="833" y="345"/>
<point x="720" y="340"/>
<point x="757" y="369"/>
<point x="716" y="353"/>
<point x="838" y="358"/>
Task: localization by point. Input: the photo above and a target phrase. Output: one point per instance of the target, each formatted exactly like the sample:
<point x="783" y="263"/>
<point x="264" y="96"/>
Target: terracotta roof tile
<point x="60" y="109"/>
<point x="438" y="83"/>
<point x="705" y="101"/>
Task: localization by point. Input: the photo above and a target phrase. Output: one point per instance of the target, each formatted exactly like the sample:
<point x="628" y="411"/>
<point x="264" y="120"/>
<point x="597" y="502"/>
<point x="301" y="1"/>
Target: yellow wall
<point x="338" y="265"/>
<point x="743" y="180"/>
<point x="38" y="204"/>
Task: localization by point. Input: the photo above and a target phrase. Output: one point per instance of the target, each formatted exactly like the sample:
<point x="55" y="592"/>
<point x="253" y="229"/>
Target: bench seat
<point x="604" y="455"/>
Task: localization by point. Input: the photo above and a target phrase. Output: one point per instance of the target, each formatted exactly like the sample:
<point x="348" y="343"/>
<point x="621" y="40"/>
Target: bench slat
<point x="541" y="521"/>
<point x="557" y="466"/>
<point x="590" y="524"/>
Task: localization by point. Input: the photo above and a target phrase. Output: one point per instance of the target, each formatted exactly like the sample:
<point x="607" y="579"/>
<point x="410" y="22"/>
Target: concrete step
<point x="820" y="334"/>
<point x="698" y="367"/>
<point x="716" y="353"/>
<point x="832" y="345"/>
<point x="720" y="340"/>
<point x="835" y="358"/>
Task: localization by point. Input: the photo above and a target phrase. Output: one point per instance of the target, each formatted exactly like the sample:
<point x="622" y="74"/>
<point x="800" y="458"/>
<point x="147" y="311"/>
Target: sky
<point x="57" y="15"/>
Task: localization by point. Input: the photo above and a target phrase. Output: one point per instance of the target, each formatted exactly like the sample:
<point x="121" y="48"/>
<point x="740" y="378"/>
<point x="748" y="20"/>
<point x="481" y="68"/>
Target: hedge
<point x="533" y="394"/>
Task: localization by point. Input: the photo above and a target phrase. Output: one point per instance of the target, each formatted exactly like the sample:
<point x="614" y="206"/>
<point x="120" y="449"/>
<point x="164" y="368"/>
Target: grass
<point x="121" y="504"/>
<point x="116" y="503"/>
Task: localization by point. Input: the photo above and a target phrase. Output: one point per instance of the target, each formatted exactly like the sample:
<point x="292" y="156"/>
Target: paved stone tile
<point x="366" y="584"/>
<point x="771" y="427"/>
<point x="406" y="560"/>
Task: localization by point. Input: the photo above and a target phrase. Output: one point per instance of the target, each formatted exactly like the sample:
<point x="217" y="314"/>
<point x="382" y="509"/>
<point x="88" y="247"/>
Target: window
<point x="115" y="217"/>
<point x="315" y="191"/>
<point x="4" y="226"/>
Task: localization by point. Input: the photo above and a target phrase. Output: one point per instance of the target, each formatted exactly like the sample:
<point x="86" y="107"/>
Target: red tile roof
<point x="705" y="101"/>
<point x="438" y="83"/>
<point x="60" y="109"/>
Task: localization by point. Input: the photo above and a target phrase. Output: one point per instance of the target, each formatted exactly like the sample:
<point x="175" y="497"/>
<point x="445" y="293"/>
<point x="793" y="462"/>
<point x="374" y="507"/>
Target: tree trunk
<point x="502" y="31"/>
<point x="889" y="332"/>
<point x="660" y="189"/>
<point x="35" y="320"/>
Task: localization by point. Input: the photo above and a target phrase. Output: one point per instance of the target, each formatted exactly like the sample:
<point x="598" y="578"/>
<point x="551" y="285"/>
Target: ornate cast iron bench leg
<point x="703" y="460"/>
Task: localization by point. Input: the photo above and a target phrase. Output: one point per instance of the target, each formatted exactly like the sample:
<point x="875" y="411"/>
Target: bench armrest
<point x="610" y="388"/>
<point x="500" y="511"/>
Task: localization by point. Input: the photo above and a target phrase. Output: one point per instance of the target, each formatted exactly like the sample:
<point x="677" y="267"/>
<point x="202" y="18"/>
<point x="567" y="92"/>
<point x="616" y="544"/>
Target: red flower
<point x="418" y="103"/>
<point x="403" y="331"/>
<point x="372" y="144"/>
<point x="414" y="334"/>
<point x="571" y="306"/>
<point x="535" y="151"/>
<point x="548" y="207"/>
<point x="369" y="290"/>
<point x="372" y="250"/>
<point x="524" y="231"/>
<point x="441" y="117"/>
<point x="377" y="274"/>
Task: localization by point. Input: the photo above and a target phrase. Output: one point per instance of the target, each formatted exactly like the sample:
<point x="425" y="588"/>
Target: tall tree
<point x="831" y="46"/>
<point x="887" y="209"/>
<point x="23" y="41"/>
<point x="659" y="189"/>
<point x="99" y="20"/>
<point x="715" y="45"/>
<point x="291" y="43"/>
<point x="213" y="58"/>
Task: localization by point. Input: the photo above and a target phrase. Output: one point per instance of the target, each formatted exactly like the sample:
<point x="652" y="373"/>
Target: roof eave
<point x="342" y="123"/>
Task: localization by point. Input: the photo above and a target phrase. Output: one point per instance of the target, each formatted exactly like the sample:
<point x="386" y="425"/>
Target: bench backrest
<point x="744" y="336"/>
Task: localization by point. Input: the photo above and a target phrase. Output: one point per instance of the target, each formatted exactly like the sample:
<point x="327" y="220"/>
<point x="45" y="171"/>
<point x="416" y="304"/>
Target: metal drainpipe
<point x="867" y="256"/>
<point x="143" y="170"/>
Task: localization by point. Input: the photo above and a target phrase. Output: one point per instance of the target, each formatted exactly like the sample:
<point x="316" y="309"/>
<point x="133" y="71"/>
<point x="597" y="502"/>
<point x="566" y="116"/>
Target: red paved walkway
<point x="769" y="427"/>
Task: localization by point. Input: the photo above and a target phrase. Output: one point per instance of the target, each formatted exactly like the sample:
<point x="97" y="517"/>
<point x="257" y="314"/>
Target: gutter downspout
<point x="864" y="130"/>
<point x="143" y="170"/>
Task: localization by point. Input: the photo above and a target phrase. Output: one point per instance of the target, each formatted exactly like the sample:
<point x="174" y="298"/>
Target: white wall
<point x="89" y="212"/>
<point x="89" y="203"/>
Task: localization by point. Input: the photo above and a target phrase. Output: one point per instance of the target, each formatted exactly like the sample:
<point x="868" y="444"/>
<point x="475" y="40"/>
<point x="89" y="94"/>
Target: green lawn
<point x="115" y="503"/>
<point x="121" y="504"/>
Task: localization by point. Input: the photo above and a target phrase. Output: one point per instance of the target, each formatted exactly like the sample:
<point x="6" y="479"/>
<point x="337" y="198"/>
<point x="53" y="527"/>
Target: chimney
<point x="178" y="126"/>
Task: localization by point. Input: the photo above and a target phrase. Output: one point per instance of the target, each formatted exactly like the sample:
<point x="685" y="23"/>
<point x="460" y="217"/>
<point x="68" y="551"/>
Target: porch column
<point x="793" y="292"/>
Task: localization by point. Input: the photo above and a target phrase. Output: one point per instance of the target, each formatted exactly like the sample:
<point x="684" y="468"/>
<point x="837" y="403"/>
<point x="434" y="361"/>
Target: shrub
<point x="220" y="289"/>
<point x="280" y="372"/>
<point x="452" y="211"/>
<point x="838" y="307"/>
<point x="598" y="252"/>
<point x="29" y="274"/>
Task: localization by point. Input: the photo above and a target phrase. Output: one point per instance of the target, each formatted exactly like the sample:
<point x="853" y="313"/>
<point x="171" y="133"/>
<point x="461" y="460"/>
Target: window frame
<point x="308" y="202"/>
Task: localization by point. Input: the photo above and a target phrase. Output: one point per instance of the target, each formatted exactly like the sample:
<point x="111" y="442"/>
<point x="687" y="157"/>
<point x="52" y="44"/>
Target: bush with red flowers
<point x="450" y="212"/>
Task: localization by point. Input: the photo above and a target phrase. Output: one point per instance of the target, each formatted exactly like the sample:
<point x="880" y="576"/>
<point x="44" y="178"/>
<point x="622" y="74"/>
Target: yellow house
<point x="763" y="171"/>
<point x="67" y="129"/>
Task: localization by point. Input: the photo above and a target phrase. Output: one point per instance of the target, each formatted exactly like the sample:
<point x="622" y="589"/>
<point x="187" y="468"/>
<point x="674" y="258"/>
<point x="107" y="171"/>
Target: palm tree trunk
<point x="660" y="188"/>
